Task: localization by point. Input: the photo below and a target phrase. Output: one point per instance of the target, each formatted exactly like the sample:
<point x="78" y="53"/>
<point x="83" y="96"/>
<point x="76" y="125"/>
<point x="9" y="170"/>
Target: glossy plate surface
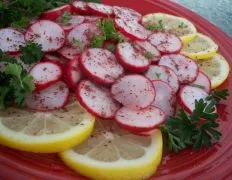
<point x="210" y="163"/>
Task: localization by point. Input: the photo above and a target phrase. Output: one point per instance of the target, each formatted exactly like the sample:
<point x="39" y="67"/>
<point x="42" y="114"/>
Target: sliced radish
<point x="45" y="74"/>
<point x="101" y="66"/>
<point x="148" y="50"/>
<point x="100" y="9"/>
<point x="47" y="33"/>
<point x="92" y="19"/>
<point x="80" y="7"/>
<point x="145" y="133"/>
<point x="166" y="43"/>
<point x="188" y="95"/>
<point x="165" y="97"/>
<point x="11" y="40"/>
<point x="140" y="120"/>
<point x="134" y="91"/>
<point x="185" y="68"/>
<point x="96" y="99"/>
<point x="74" y="21"/>
<point x="165" y="74"/>
<point x="55" y="13"/>
<point x="83" y="34"/>
<point x="52" y="58"/>
<point x="131" y="29"/>
<point x="52" y="98"/>
<point x="127" y="14"/>
<point x="69" y="52"/>
<point x="110" y="45"/>
<point x="130" y="58"/>
<point x="73" y="73"/>
<point x="202" y="81"/>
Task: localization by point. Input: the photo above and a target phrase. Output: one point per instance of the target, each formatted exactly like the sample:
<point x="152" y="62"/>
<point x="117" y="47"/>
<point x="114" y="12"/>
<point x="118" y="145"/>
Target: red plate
<point x="210" y="163"/>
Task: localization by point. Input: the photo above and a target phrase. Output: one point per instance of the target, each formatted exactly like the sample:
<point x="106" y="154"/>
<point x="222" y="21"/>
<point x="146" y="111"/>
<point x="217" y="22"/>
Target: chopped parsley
<point x="148" y="55"/>
<point x="156" y="27"/>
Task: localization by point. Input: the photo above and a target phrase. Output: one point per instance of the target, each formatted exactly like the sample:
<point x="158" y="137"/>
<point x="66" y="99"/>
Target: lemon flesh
<point x="45" y="132"/>
<point x="179" y="26"/>
<point x="112" y="154"/>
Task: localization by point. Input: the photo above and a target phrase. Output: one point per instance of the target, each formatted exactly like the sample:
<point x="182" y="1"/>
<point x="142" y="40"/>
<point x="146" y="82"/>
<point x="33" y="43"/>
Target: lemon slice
<point x="45" y="132"/>
<point x="201" y="47"/>
<point x="176" y="25"/>
<point x="114" y="154"/>
<point x="217" y="69"/>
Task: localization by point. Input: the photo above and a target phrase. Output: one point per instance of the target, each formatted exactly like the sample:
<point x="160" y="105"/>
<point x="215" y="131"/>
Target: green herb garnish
<point x="97" y="41"/>
<point x="182" y="25"/>
<point x="198" y="86"/>
<point x="65" y="18"/>
<point x="78" y="43"/>
<point x="158" y="75"/>
<point x="156" y="27"/>
<point x="148" y="55"/>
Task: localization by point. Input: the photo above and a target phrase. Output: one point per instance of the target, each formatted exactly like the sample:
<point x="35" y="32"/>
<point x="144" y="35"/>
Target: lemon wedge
<point x="217" y="69"/>
<point x="112" y="154"/>
<point x="179" y="26"/>
<point x="45" y="132"/>
<point x="201" y="47"/>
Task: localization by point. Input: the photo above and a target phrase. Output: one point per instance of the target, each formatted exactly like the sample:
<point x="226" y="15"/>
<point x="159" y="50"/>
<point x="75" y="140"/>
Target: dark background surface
<point x="218" y="12"/>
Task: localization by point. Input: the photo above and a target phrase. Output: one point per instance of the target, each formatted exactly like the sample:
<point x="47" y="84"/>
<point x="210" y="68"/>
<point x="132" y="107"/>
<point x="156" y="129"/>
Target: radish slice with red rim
<point x="185" y="68"/>
<point x="131" y="29"/>
<point x="147" y="50"/>
<point x="165" y="74"/>
<point x="73" y="73"/>
<point x="69" y="52"/>
<point x="81" y="36"/>
<point x="52" y="98"/>
<point x="45" y="74"/>
<point x="145" y="133"/>
<point x="55" y="13"/>
<point x="47" y="33"/>
<point x="96" y="99"/>
<point x="101" y="66"/>
<point x="166" y="43"/>
<point x="188" y="95"/>
<point x="100" y="9"/>
<point x="165" y="97"/>
<point x="202" y="81"/>
<point x="140" y="120"/>
<point x="127" y="14"/>
<point x="130" y="58"/>
<point x="92" y="19"/>
<point x="134" y="91"/>
<point x="11" y="40"/>
<point x="74" y="21"/>
<point x="80" y="7"/>
<point x="57" y="60"/>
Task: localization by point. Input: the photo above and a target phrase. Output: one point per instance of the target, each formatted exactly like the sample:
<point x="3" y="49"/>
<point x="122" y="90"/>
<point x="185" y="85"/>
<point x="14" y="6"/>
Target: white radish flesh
<point x="202" y="81"/>
<point x="165" y="74"/>
<point x="47" y="33"/>
<point x="53" y="14"/>
<point x="96" y="99"/>
<point x="11" y="40"/>
<point x="100" y="9"/>
<point x="101" y="65"/>
<point x="69" y="52"/>
<point x="127" y="14"/>
<point x="52" y="98"/>
<point x="74" y="21"/>
<point x="80" y="7"/>
<point x="185" y="68"/>
<point x="134" y="91"/>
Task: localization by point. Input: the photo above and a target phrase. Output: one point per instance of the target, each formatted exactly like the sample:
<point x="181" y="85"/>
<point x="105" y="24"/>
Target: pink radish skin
<point x="185" y="68"/>
<point x="74" y="21"/>
<point x="57" y="60"/>
<point x="73" y="73"/>
<point x="83" y="33"/>
<point x="47" y="33"/>
<point x="52" y="98"/>
<point x="45" y="74"/>
<point x="80" y="7"/>
<point x="165" y="97"/>
<point x="96" y="99"/>
<point x="145" y="47"/>
<point x="130" y="59"/>
<point x="131" y="29"/>
<point x="133" y="91"/>
<point x="69" y="52"/>
<point x="188" y="95"/>
<point x="140" y="120"/>
<point x="166" y="43"/>
<point x="55" y="13"/>
<point x="11" y="40"/>
<point x="92" y="19"/>
<point x="145" y="133"/>
<point x="165" y="74"/>
<point x="203" y="81"/>
<point x="127" y="14"/>
<point x="101" y="66"/>
<point x="100" y="9"/>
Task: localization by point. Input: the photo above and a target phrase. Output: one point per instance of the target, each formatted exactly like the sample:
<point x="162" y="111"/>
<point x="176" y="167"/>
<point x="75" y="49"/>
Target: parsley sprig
<point x="197" y="129"/>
